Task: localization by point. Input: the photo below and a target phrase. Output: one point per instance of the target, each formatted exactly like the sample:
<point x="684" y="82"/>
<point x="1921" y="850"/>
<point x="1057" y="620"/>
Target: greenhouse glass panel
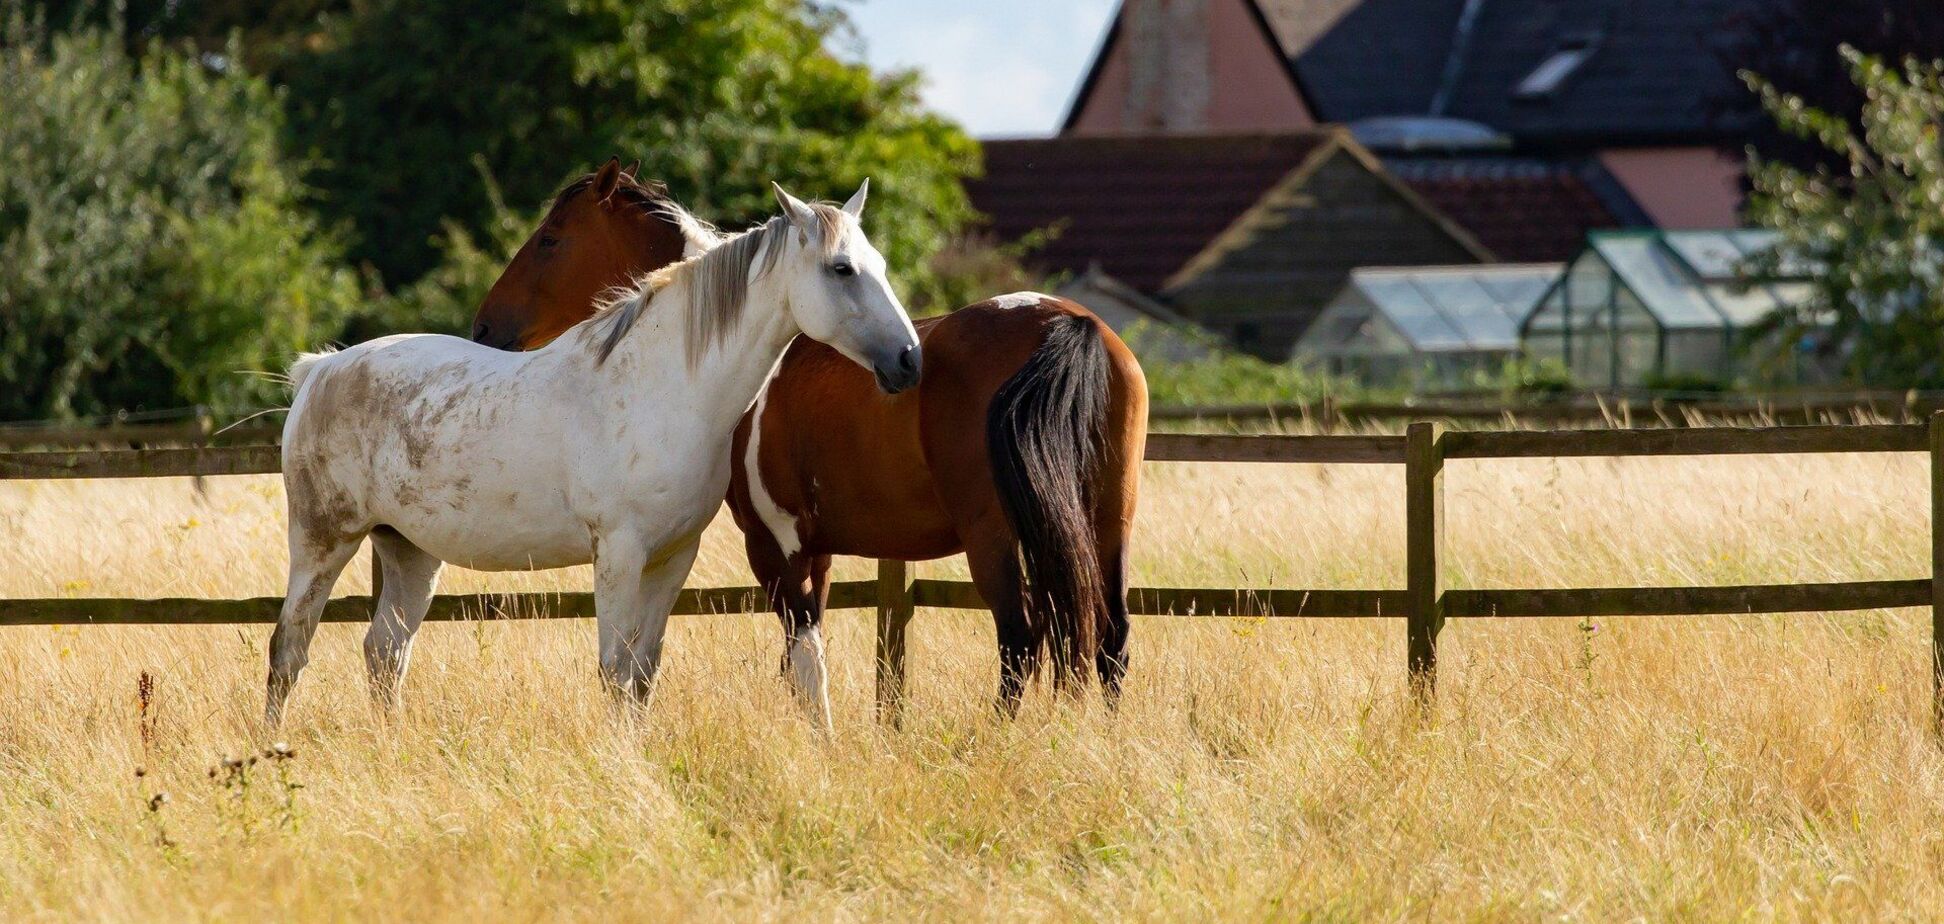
<point x="1696" y="352"/>
<point x="1481" y="319"/>
<point x="1639" y="352"/>
<point x="1754" y="241"/>
<point x="1744" y="309"/>
<point x="1546" y="346"/>
<point x="1588" y="284"/>
<point x="1339" y="326"/>
<point x="1551" y="314"/>
<point x="1376" y="336"/>
<point x="1659" y="280"/>
<point x="1416" y="318"/>
<point x="1713" y="254"/>
<point x="1518" y="294"/>
<point x="1592" y="357"/>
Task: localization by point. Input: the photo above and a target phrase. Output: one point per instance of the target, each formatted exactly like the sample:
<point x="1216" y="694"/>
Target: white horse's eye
<point x="843" y="269"/>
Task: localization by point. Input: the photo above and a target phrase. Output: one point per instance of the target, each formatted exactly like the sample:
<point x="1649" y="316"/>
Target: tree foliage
<point x="152" y="239"/>
<point x="1869" y="231"/>
<point x="716" y="97"/>
<point x="1794" y="45"/>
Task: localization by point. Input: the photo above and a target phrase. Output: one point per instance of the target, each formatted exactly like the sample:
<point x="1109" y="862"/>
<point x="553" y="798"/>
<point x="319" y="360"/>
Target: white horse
<point x="610" y="445"/>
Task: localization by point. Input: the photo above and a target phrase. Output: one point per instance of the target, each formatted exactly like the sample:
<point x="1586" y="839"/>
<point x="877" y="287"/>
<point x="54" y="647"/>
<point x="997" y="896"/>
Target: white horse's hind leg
<point x="411" y="576"/>
<point x="314" y="567"/>
<point x="632" y="599"/>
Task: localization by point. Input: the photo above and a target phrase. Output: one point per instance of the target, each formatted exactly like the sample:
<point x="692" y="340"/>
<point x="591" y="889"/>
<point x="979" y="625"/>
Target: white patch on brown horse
<point x="782" y="526"/>
<point x="1019" y="300"/>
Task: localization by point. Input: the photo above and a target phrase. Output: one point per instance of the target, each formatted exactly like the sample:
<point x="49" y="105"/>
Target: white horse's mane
<point x="718" y="281"/>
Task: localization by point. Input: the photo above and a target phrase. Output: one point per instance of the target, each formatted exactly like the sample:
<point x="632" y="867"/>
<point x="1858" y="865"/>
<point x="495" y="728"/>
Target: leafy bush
<point x="717" y="98"/>
<point x="1869" y="234"/>
<point x="151" y="247"/>
<point x="1223" y="378"/>
<point x="1523" y="376"/>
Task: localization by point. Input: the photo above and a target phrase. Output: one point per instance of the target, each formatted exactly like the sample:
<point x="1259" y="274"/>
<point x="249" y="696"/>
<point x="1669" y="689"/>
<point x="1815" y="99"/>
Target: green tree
<point x="717" y="98"/>
<point x="1869" y="232"/>
<point x="152" y="250"/>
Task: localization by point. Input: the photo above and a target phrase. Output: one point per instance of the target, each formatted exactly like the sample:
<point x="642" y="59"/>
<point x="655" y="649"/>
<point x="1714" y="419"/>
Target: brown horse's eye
<point x="548" y="242"/>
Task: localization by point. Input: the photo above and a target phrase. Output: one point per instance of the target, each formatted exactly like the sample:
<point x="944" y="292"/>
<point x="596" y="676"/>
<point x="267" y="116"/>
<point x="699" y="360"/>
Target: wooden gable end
<point x="1262" y="282"/>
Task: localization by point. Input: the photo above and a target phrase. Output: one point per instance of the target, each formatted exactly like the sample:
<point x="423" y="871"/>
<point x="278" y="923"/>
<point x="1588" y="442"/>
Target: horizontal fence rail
<point x="1161" y="447"/>
<point x="1424" y="602"/>
<point x="1674" y="410"/>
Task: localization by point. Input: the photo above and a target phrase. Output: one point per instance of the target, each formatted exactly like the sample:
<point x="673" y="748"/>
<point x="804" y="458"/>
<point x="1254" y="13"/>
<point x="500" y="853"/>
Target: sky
<point x="1001" y="68"/>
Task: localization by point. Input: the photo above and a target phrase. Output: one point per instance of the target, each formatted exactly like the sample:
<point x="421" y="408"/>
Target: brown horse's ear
<point x="607" y="179"/>
<point x="632" y="170"/>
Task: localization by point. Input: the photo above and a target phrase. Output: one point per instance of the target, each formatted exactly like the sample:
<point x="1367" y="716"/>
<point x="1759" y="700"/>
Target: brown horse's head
<point x="604" y="229"/>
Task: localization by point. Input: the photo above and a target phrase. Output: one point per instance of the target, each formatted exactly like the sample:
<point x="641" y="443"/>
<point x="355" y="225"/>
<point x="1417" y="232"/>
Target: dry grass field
<point x="1681" y="768"/>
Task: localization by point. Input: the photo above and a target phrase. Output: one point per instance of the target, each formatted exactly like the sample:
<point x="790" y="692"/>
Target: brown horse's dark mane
<point x="651" y="198"/>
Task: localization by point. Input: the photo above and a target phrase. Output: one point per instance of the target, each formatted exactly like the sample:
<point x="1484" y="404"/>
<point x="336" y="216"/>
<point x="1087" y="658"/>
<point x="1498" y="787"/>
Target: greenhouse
<point x="1435" y="326"/>
<point x="1657" y="308"/>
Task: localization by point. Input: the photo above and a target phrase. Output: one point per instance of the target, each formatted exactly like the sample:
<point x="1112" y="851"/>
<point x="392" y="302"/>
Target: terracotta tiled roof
<point x="1523" y="210"/>
<point x="1139" y="206"/>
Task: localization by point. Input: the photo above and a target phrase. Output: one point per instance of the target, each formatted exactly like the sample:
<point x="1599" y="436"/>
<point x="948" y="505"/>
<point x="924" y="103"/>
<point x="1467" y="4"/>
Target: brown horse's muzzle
<point x="485" y="334"/>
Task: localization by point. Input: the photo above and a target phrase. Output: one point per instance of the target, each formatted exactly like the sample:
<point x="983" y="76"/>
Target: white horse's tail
<point x="301" y="368"/>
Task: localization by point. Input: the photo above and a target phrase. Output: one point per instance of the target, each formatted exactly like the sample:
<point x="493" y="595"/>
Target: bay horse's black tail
<point x="1044" y="433"/>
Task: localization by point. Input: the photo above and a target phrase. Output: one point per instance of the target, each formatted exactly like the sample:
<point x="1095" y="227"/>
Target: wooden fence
<point x="198" y="426"/>
<point x="1624" y="410"/>
<point x="1424" y="603"/>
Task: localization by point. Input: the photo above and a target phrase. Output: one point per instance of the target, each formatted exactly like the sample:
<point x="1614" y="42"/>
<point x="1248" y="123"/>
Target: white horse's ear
<point x="794" y="209"/>
<point x="855" y="207"/>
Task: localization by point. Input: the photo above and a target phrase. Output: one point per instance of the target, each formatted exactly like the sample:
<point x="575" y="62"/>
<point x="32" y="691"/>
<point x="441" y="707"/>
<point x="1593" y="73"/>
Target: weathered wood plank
<point x="1162" y="447"/>
<point x="180" y="433"/>
<point x="1937" y="570"/>
<point x="143" y="463"/>
<point x="1687" y="601"/>
<point x="1808" y="406"/>
<point x="1201" y="601"/>
<point x="894" y="610"/>
<point x="1196" y="447"/>
<point x="1272" y="603"/>
<point x="1424" y="539"/>
<point x="1703" y="441"/>
<point x="445" y="607"/>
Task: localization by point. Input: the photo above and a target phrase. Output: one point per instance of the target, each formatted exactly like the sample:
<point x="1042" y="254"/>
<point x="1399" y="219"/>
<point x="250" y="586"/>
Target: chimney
<point x="1168" y="54"/>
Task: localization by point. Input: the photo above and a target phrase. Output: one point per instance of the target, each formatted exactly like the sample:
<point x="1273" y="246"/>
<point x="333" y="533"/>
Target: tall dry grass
<point x="1685" y="768"/>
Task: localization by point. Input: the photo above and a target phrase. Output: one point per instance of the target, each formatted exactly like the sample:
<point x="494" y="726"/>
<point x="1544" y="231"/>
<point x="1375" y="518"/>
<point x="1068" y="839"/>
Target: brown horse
<point x="1021" y="445"/>
<point x="604" y="229"/>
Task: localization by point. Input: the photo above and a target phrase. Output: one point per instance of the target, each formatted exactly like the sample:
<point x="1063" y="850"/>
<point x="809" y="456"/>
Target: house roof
<point x="1434" y="308"/>
<point x="1652" y="72"/>
<point x="1523" y="209"/>
<point x="1384" y="57"/>
<point x="1140" y="206"/>
<point x="1297" y="24"/>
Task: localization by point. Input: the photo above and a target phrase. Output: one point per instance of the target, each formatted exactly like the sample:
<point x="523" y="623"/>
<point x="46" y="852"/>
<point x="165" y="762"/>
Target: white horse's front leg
<point x="632" y="599"/>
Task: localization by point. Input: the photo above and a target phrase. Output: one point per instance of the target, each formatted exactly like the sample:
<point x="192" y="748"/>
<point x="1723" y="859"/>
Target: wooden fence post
<point x="1424" y="546"/>
<point x="1937" y="568"/>
<point x="894" y="611"/>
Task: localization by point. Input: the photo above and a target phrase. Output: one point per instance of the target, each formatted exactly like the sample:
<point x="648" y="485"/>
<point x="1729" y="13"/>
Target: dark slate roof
<point x="1655" y="75"/>
<point x="1383" y="58"/>
<point x="1139" y="206"/>
<point x="1524" y="210"/>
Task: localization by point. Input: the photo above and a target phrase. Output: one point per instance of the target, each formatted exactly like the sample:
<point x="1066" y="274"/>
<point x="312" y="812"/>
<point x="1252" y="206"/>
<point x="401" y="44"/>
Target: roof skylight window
<point x="1566" y="60"/>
